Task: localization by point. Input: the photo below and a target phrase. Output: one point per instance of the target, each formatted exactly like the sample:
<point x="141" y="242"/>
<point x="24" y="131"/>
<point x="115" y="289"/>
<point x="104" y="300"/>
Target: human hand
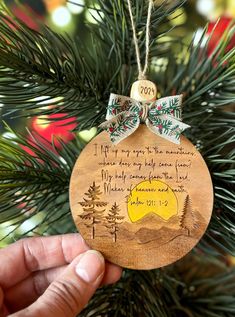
<point x="51" y="276"/>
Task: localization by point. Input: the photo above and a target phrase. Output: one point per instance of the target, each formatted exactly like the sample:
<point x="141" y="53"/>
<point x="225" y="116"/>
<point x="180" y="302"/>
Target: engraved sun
<point x="152" y="197"/>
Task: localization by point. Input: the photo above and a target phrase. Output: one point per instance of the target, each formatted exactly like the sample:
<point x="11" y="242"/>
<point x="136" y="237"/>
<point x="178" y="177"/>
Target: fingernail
<point x="90" y="266"/>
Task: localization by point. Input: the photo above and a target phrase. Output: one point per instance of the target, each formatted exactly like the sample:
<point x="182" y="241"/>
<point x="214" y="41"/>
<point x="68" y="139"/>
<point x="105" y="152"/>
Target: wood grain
<point x="144" y="90"/>
<point x="144" y="203"/>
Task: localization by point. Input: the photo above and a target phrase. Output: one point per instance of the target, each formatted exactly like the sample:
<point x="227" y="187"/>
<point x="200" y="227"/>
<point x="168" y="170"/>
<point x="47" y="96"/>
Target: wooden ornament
<point x="144" y="203"/>
<point x="144" y="90"/>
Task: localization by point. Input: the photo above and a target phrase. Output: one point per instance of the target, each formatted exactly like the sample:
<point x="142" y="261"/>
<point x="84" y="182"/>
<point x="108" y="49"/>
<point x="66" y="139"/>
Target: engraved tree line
<point x="93" y="214"/>
<point x="91" y="207"/>
<point x="114" y="220"/>
<point x="188" y="219"/>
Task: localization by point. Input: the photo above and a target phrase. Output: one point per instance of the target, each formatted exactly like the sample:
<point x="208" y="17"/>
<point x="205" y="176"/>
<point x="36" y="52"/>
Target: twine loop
<point x="142" y="71"/>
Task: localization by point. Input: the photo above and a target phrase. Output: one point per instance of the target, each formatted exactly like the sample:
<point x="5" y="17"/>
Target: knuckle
<point x="31" y="262"/>
<point x="66" y="296"/>
<point x="40" y="283"/>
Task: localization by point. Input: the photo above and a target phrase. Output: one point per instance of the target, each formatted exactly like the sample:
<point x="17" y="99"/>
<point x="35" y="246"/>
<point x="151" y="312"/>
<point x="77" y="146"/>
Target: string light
<point x="93" y="16"/>
<point x="205" y="7"/>
<point x="76" y="6"/>
<point x="87" y="135"/>
<point x="61" y="16"/>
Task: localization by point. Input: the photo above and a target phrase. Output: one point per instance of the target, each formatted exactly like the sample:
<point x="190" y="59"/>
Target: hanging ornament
<point x="141" y="194"/>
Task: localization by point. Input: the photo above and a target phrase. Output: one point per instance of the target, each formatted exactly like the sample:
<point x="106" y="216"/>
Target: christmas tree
<point x="48" y="73"/>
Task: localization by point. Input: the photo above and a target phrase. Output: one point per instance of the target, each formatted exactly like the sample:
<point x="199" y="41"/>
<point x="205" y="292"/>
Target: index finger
<point x="22" y="258"/>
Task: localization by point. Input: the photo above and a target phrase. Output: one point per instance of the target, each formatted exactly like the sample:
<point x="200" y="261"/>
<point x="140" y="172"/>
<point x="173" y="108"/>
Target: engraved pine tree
<point x="188" y="220"/>
<point x="114" y="221"/>
<point x="93" y="214"/>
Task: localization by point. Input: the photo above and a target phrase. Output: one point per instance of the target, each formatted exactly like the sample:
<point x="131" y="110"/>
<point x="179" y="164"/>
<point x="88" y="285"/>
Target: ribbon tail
<point x="167" y="127"/>
<point x="168" y="106"/>
<point x="121" y="126"/>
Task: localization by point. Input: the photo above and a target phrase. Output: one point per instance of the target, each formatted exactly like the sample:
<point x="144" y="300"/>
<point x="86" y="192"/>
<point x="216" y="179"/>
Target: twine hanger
<point x="142" y="71"/>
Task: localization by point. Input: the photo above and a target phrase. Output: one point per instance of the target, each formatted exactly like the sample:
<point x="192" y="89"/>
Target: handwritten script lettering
<point x="121" y="169"/>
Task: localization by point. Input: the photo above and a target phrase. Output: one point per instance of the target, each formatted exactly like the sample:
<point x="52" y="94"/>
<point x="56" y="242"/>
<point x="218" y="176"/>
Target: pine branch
<point x="207" y="82"/>
<point x="30" y="185"/>
<point x="46" y="66"/>
<point x="216" y="142"/>
<point x="192" y="287"/>
<point x="53" y="69"/>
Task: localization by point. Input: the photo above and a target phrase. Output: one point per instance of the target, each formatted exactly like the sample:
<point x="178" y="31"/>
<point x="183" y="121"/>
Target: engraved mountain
<point x="152" y="228"/>
<point x="153" y="196"/>
<point x="103" y="220"/>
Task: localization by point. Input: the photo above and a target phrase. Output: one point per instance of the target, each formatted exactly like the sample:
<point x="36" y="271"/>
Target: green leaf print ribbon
<point x="162" y="117"/>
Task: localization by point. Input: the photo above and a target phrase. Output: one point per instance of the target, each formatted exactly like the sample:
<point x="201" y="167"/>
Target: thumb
<point x="67" y="295"/>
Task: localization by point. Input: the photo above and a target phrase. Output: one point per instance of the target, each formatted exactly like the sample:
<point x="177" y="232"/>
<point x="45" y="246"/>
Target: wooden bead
<point x="144" y="90"/>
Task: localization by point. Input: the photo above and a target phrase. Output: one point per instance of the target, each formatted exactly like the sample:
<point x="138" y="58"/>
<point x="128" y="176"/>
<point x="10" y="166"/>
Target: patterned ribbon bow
<point x="162" y="117"/>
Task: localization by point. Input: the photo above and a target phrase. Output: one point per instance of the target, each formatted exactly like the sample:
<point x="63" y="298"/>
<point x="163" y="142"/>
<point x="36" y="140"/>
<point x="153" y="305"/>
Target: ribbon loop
<point x="162" y="117"/>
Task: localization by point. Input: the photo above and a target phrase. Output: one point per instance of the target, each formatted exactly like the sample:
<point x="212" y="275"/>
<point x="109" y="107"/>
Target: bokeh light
<point x="76" y="6"/>
<point x="205" y="7"/>
<point x="61" y="16"/>
<point x="93" y="15"/>
<point x="87" y="135"/>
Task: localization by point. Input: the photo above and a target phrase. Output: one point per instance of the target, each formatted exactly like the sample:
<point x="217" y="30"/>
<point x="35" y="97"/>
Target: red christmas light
<point x="47" y="133"/>
<point x="53" y="131"/>
<point x="216" y="30"/>
<point x="28" y="16"/>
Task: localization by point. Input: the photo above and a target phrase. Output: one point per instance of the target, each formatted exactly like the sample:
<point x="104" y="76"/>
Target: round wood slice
<point x="143" y="203"/>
